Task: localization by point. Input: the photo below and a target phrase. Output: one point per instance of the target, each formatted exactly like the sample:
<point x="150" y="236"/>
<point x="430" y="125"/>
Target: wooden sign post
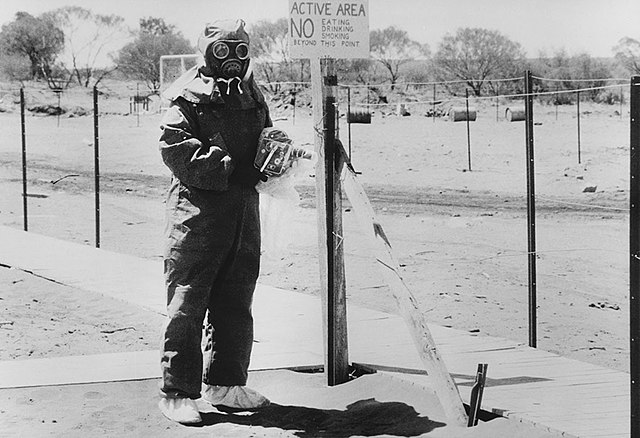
<point x="322" y="32"/>
<point x="330" y="230"/>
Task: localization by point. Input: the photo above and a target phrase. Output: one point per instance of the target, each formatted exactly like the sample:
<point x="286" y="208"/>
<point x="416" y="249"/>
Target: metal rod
<point x="433" y="105"/>
<point x="96" y="163"/>
<point x="137" y="103"/>
<point x="368" y="96"/>
<point x="349" y="120"/>
<point x="531" y="209"/>
<point x="23" y="132"/>
<point x="557" y="96"/>
<point x="497" y="106"/>
<point x="578" y="111"/>
<point x="59" y="109"/>
<point x="336" y="106"/>
<point x="634" y="259"/>
<point x="468" y="130"/>
<point x="293" y="103"/>
<point x="477" y="391"/>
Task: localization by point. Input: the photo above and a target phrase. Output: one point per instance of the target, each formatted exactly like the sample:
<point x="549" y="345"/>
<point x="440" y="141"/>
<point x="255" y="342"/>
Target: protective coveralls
<point x="212" y="252"/>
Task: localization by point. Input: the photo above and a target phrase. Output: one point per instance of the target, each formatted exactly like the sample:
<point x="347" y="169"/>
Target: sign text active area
<point x="335" y="29"/>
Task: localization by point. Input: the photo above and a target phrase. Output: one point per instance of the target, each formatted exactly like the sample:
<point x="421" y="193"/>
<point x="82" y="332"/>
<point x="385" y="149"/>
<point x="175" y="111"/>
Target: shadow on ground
<point x="363" y="418"/>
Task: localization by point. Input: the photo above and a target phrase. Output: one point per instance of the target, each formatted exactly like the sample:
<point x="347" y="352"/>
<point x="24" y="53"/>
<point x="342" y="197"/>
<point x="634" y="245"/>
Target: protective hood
<point x="222" y="30"/>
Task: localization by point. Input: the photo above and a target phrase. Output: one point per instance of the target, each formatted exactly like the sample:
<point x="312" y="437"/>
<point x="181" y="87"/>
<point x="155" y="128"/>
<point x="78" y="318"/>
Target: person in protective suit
<point x="212" y="254"/>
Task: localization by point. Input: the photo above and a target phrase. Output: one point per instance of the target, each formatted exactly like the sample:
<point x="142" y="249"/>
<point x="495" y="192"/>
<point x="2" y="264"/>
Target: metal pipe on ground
<point x="516" y="114"/>
<point x="459" y="114"/>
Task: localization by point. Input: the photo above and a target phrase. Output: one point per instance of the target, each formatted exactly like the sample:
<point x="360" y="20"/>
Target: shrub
<point x="15" y="67"/>
<point x="609" y="97"/>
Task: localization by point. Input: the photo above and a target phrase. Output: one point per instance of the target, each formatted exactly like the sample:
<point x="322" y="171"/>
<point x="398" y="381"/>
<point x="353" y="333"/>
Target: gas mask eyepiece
<point x="222" y="49"/>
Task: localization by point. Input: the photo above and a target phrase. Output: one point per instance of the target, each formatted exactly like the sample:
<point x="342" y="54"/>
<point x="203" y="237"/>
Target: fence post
<point x="557" y="97"/>
<point x="23" y="132"/>
<point x="634" y="259"/>
<point x="497" y="106"/>
<point x="468" y="129"/>
<point x="137" y="105"/>
<point x="433" y="104"/>
<point x="58" y="91"/>
<point x="293" y="103"/>
<point x="96" y="162"/>
<point x="531" y="208"/>
<point x="578" y="111"/>
<point x="330" y="229"/>
<point x="348" y="117"/>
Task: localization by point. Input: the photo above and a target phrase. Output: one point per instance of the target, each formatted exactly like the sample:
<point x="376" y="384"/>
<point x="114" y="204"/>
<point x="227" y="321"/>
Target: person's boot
<point x="235" y="397"/>
<point x="180" y="410"/>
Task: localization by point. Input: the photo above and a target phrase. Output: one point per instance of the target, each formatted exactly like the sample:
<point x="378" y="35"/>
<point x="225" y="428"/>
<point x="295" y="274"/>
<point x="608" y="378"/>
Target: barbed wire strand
<point x="400" y="84"/>
<point x="265" y="84"/>
<point x="500" y="96"/>
<point x="579" y="80"/>
<point x="456" y="81"/>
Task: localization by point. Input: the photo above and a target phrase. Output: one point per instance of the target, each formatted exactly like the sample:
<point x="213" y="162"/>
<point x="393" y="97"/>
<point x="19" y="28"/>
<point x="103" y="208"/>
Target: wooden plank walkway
<point x="533" y="386"/>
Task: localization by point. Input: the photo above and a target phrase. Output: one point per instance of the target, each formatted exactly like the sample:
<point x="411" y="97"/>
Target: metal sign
<point x="332" y="29"/>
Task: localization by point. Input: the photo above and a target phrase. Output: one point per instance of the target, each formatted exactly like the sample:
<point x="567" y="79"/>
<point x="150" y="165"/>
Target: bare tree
<point x="88" y="37"/>
<point x="392" y="47"/>
<point x="474" y="55"/>
<point x="627" y="52"/>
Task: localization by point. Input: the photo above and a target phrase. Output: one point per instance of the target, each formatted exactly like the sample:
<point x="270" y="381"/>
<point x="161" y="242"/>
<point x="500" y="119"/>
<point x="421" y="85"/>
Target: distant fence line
<point x="399" y="84"/>
<point x="497" y="96"/>
<point x="134" y="94"/>
<point x="350" y="118"/>
<point x="457" y="81"/>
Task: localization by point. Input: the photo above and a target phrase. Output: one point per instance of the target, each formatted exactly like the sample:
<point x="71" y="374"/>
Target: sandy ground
<point x="459" y="235"/>
<point x="302" y="406"/>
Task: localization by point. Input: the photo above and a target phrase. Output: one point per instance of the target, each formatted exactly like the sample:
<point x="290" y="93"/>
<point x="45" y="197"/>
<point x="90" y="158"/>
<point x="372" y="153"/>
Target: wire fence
<point x="405" y="160"/>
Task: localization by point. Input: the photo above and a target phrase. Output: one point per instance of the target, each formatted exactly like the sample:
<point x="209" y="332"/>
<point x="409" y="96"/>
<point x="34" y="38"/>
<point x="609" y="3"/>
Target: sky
<point x="540" y="26"/>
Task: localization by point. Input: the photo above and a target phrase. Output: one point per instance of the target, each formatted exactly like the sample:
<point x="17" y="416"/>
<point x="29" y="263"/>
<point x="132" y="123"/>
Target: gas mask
<point x="225" y="46"/>
<point x="229" y="61"/>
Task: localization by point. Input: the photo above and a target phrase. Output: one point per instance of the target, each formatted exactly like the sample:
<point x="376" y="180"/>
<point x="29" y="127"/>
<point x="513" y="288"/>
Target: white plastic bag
<point x="279" y="201"/>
